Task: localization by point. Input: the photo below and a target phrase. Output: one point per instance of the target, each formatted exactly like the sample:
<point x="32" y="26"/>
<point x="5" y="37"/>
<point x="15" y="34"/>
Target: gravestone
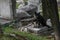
<point x="6" y="12"/>
<point x="5" y="9"/>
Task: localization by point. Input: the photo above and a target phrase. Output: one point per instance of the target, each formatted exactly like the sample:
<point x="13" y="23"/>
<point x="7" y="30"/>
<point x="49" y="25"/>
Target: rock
<point x="13" y="35"/>
<point x="25" y="28"/>
<point x="27" y="8"/>
<point x="22" y="14"/>
<point x="49" y="22"/>
<point x="2" y="21"/>
<point x="37" y="3"/>
<point x="37" y="30"/>
<point x="33" y="30"/>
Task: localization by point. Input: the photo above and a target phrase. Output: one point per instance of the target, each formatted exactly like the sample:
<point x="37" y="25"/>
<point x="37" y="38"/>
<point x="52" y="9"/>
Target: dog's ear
<point x="37" y="13"/>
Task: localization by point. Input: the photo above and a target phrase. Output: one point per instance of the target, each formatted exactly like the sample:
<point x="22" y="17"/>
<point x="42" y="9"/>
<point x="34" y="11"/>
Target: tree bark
<point x="1" y="31"/>
<point x="13" y="8"/>
<point x="44" y="8"/>
<point x="53" y="12"/>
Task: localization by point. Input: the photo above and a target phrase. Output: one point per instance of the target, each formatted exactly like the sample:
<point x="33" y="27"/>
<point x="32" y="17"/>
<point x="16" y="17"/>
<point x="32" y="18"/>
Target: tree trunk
<point x="1" y="31"/>
<point x="53" y="12"/>
<point x="13" y="7"/>
<point x="44" y="8"/>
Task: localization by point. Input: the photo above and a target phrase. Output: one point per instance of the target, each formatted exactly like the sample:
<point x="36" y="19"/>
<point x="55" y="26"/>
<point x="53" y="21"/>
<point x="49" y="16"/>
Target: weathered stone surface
<point x="29" y="19"/>
<point x="37" y="3"/>
<point x="48" y="22"/>
<point x="2" y="21"/>
<point x="22" y="14"/>
<point x="25" y="28"/>
<point x="5" y="10"/>
<point x="38" y="30"/>
<point x="27" y="8"/>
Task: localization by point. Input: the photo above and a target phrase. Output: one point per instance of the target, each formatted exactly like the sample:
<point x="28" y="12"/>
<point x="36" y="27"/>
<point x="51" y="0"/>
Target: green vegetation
<point x="59" y="12"/>
<point x="25" y="34"/>
<point x="25" y="0"/>
<point x="7" y="38"/>
<point x="17" y="5"/>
